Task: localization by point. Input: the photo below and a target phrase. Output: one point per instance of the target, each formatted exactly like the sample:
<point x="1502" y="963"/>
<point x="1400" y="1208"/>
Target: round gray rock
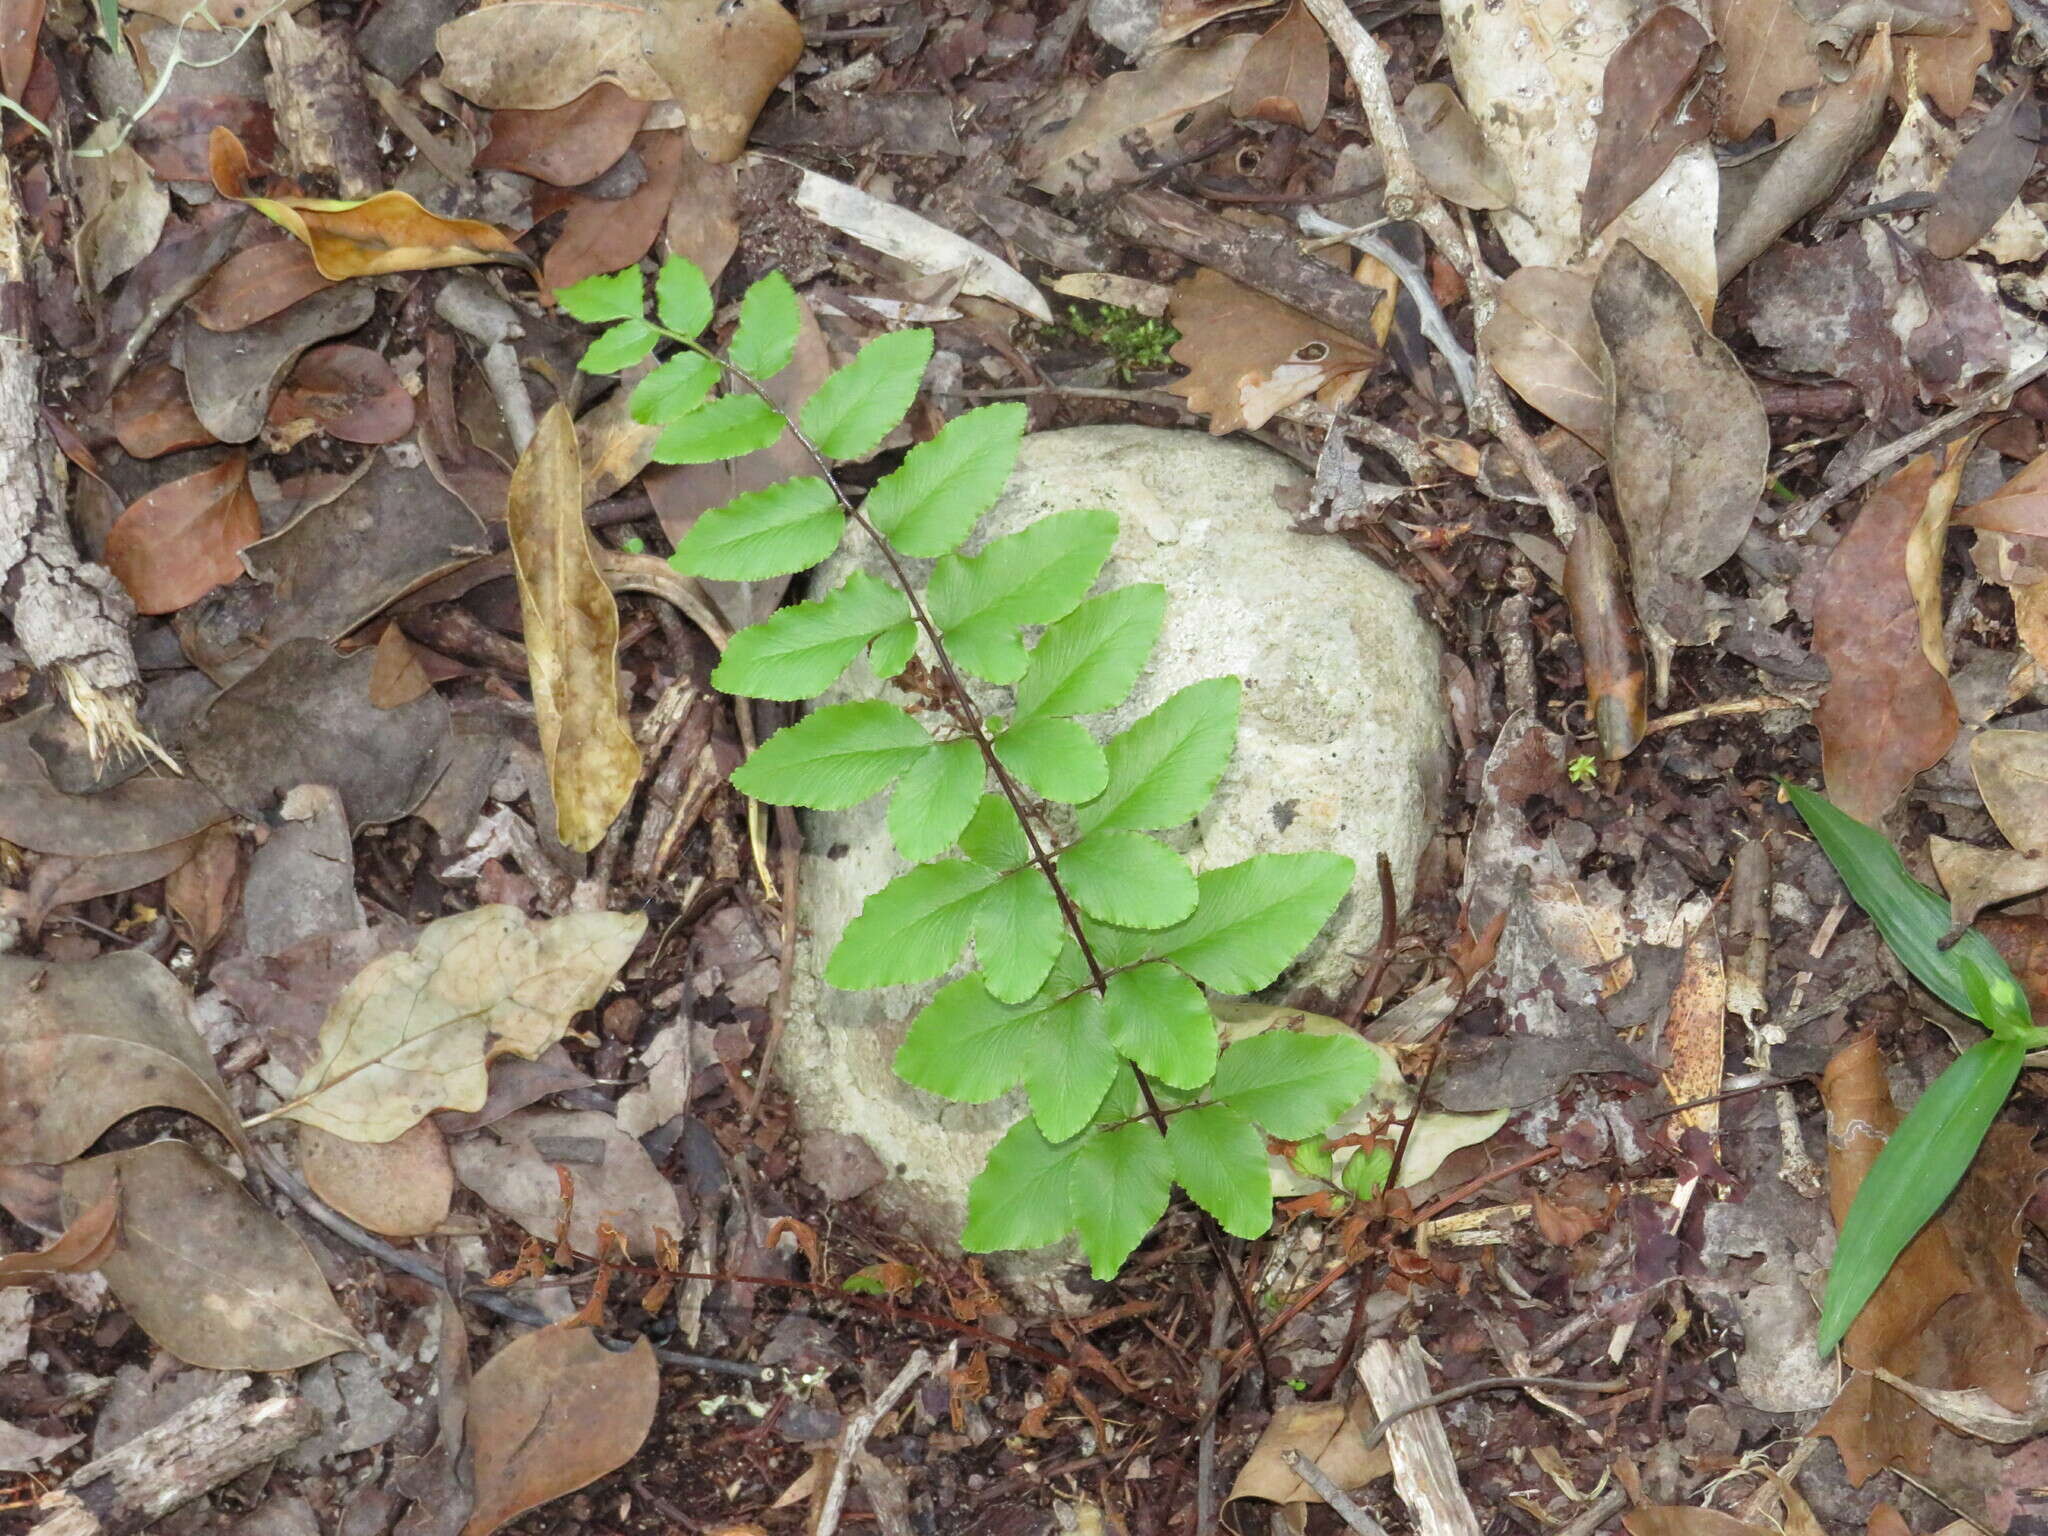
<point x="1341" y="746"/>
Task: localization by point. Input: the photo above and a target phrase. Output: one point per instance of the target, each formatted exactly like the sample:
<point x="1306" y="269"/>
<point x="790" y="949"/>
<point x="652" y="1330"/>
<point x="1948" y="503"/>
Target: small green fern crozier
<point x="1031" y="840"/>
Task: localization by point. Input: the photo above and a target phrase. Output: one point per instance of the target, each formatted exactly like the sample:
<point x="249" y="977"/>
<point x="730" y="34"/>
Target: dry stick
<point x="1409" y="197"/>
<point x="1378" y="1432"/>
<point x="1425" y="1471"/>
<point x="1434" y="325"/>
<point x="1341" y="1503"/>
<point x="856" y="1433"/>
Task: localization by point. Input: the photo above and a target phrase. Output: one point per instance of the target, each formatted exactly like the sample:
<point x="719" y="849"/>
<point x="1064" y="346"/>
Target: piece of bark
<point x="1272" y="264"/>
<point x="70" y="616"/>
<point x="211" y="1442"/>
<point x="322" y="108"/>
<point x="1425" y="1472"/>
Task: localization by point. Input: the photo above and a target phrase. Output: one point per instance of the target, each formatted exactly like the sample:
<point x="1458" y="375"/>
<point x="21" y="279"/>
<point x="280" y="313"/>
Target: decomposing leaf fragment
<point x="512" y="1164"/>
<point x="1332" y="1435"/>
<point x="1286" y="76"/>
<point x="572" y="637"/>
<point x="153" y="415"/>
<point x="553" y="1411"/>
<point x="1941" y="47"/>
<point x="351" y="393"/>
<point x="180" y="541"/>
<point x="416" y="1029"/>
<point x="86" y="1241"/>
<point x="1650" y="110"/>
<point x="565" y="146"/>
<point x="1249" y="357"/>
<point x="1976" y="878"/>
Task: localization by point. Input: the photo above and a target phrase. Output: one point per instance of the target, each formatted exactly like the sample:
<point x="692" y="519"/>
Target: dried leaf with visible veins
<point x="351" y="393"/>
<point x="1136" y="117"/>
<point x="255" y="284"/>
<point x="1650" y="110"/>
<point x="537" y="54"/>
<point x="1286" y="76"/>
<point x="1946" y="66"/>
<point x="85" y="1244"/>
<point x="721" y="59"/>
<point x="416" y="1030"/>
<point x="1249" y="357"/>
<point x="1976" y="878"/>
<point x="1694" y="1042"/>
<point x="1773" y="66"/>
<point x="2011" y="769"/>
<point x="1543" y="342"/>
<point x="1331" y="1435"/>
<point x="153" y="414"/>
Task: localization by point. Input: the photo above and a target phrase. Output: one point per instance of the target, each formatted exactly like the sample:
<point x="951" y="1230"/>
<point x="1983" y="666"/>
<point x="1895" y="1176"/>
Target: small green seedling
<point x="1932" y="1149"/>
<point x="1582" y="769"/>
<point x="1031" y="838"/>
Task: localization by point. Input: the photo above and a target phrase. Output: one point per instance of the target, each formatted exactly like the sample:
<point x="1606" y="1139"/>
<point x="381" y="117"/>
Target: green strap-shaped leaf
<point x="893" y="649"/>
<point x="1917" y="1170"/>
<point x="682" y="299"/>
<point x="620" y="347"/>
<point x="1220" y="1160"/>
<point x="912" y="929"/>
<point x="1055" y="757"/>
<point x="834" y="757"/>
<point x="799" y="652"/>
<point x="1018" y="933"/>
<point x="1020" y="1197"/>
<point x="934" y="800"/>
<point x="675" y="388"/>
<point x="992" y="837"/>
<point x="1252" y="918"/>
<point x="727" y="428"/>
<point x="770" y="319"/>
<point x="604" y="296"/>
<point x="965" y="1046"/>
<point x="1163" y="770"/>
<point x="1295" y="1085"/>
<point x="852" y="411"/>
<point x="1068" y="1065"/>
<point x="930" y="502"/>
<point x="1159" y="1019"/>
<point x="781" y="528"/>
<point x="1089" y="660"/>
<point x="1912" y="919"/>
<point x="1128" y="879"/>
<point x="1033" y="576"/>
<point x="1121" y="1182"/>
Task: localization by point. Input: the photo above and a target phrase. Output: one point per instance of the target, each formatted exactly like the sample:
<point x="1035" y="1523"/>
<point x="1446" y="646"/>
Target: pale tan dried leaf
<point x="1249" y="357"/>
<point x="415" y="1031"/>
<point x="1147" y="298"/>
<point x="205" y="890"/>
<point x="1162" y="107"/>
<point x="1946" y="67"/>
<point x="1332" y="1435"/>
<point x="1976" y="1412"/>
<point x="537" y="54"/>
<point x="572" y="637"/>
<point x="125" y="207"/>
<point x="400" y="1188"/>
<point x="1687" y="1520"/>
<point x="551" y="1412"/>
<point x="1543" y="342"/>
<point x="511" y="1165"/>
<point x="86" y="1241"/>
<point x="1976" y="878"/>
<point x="721" y="59"/>
<point x="1451" y="152"/>
<point x="2011" y="769"/>
<point x="397" y="678"/>
<point x="1286" y="76"/>
<point x="1925" y="546"/>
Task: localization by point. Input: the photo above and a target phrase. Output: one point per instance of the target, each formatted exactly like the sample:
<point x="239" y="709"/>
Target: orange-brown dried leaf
<point x="204" y="891"/>
<point x="1543" y="341"/>
<point x="396" y="676"/>
<point x="349" y="392"/>
<point x="2020" y="506"/>
<point x="1695" y="1046"/>
<point x="255" y="284"/>
<point x="1945" y="68"/>
<point x="607" y="234"/>
<point x="1610" y="644"/>
<point x="181" y="540"/>
<point x="1286" y="76"/>
<point x="568" y="145"/>
<point x="1773" y="70"/>
<point x="1249" y="357"/>
<point x="722" y="59"/>
<point x="153" y="414"/>
<point x="1687" y="1520"/>
<point x="81" y="1246"/>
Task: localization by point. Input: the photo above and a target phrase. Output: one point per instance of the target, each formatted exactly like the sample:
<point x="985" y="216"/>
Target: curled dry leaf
<point x="390" y="232"/>
<point x="181" y="540"/>
<point x="1543" y="342"/>
<point x="1650" y="110"/>
<point x="568" y="145"/>
<point x="1161" y="109"/>
<point x="416" y="1030"/>
<point x="1451" y="152"/>
<point x="1888" y="713"/>
<point x="232" y="377"/>
<point x="255" y="284"/>
<point x="350" y="392"/>
<point x="551" y="1412"/>
<point x="86" y="1241"/>
<point x="1604" y="623"/>
<point x="1989" y="170"/>
<point x="572" y="638"/>
<point x="1286" y="76"/>
<point x="401" y="1188"/>
<point x="1249" y="357"/>
<point x="1688" y="446"/>
<point x="153" y="414"/>
<point x="1332" y="1435"/>
<point x="84" y="1044"/>
<point x="125" y="208"/>
<point x="209" y="1274"/>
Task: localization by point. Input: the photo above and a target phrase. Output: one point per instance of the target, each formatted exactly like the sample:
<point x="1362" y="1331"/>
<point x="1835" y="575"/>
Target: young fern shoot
<point x="1031" y="840"/>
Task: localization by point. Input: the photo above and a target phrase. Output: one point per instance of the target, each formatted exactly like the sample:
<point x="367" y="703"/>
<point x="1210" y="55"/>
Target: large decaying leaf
<point x="512" y="1165"/>
<point x="551" y="1412"/>
<point x="1773" y="66"/>
<point x="209" y="1274"/>
<point x="415" y="1030"/>
<point x="572" y="637"/>
<point x="1987" y="174"/>
<point x="400" y="1188"/>
<point x="85" y="1043"/>
<point x="1688" y="446"/>
<point x="1286" y="76"/>
<point x="1250" y="357"/>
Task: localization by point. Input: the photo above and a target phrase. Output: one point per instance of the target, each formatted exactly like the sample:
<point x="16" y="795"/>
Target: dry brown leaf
<point x="84" y="1245"/>
<point x="1976" y="878"/>
<point x="1989" y="1335"/>
<point x="1543" y="342"/>
<point x="60" y="882"/>
<point x="2011" y="768"/>
<point x="1332" y="1435"/>
<point x="1604" y="624"/>
<point x="1451" y="152"/>
<point x="1249" y="357"/>
<point x="1160" y="109"/>
<point x="390" y="232"/>
<point x="351" y="393"/>
<point x="1687" y="1520"/>
<point x="400" y="1188"/>
<point x="572" y="637"/>
<point x="86" y="1043"/>
<point x="721" y="59"/>
<point x="1183" y="18"/>
<point x="511" y="1166"/>
<point x="153" y="414"/>
<point x="205" y="890"/>
<point x="568" y="145"/>
<point x="703" y="220"/>
<point x="1946" y="67"/>
<point x="1650" y="110"/>
<point x="1888" y="713"/>
<point x="1976" y="1412"/>
<point x="1987" y="175"/>
<point x="21" y="26"/>
<point x="205" y="1271"/>
<point x="416" y="1030"/>
<point x="181" y="540"/>
<point x="606" y="234"/>
<point x="1773" y="66"/>
<point x="220" y="13"/>
<point x="537" y="54"/>
<point x="255" y="284"/>
<point x="551" y="1412"/>
<point x="125" y="208"/>
<point x="397" y="678"/>
<point x="2020" y="506"/>
<point x="1286" y="76"/>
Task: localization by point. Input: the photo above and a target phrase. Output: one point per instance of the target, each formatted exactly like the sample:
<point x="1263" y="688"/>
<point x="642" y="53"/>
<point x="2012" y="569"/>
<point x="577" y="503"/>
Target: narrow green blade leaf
<point x="1128" y="879"/>
<point x="1018" y="934"/>
<point x="799" y="652"/>
<point x="781" y="528"/>
<point x="934" y="801"/>
<point x="1914" y="1174"/>
<point x="675" y="388"/>
<point x="930" y="502"/>
<point x="992" y="837"/>
<point x="912" y="929"/>
<point x="893" y="649"/>
<point x="682" y="299"/>
<point x="1911" y="918"/>
<point x="1019" y="1199"/>
<point x="728" y="427"/>
<point x="1055" y="757"/>
<point x="1220" y="1160"/>
<point x="620" y="347"/>
<point x="1033" y="576"/>
<point x="1089" y="660"/>
<point x="853" y="410"/>
<point x="834" y="757"/>
<point x="1163" y="770"/>
<point x="1068" y="1065"/>
<point x="770" y="319"/>
<point x="1252" y="918"/>
<point x="1121" y="1182"/>
<point x="1159" y="1019"/>
<point x="1295" y="1085"/>
<point x="965" y="1046"/>
<point x="604" y="296"/>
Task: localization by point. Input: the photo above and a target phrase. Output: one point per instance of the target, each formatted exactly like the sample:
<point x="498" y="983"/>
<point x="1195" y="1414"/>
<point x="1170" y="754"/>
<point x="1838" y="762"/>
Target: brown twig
<point x="1378" y="1432"/>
